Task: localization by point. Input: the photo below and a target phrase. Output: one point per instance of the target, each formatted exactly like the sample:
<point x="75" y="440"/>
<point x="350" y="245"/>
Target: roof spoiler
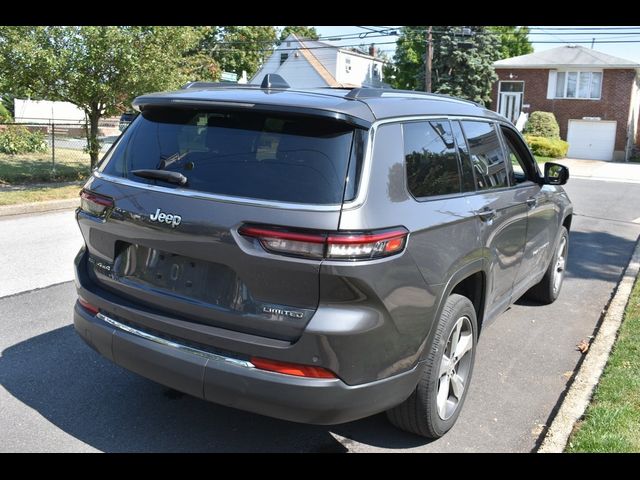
<point x="271" y="80"/>
<point x="216" y="85"/>
<point x="365" y="92"/>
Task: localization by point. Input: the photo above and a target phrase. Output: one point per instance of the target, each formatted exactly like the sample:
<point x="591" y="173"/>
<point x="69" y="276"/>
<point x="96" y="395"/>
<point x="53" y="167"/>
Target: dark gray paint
<point x="372" y="319"/>
<point x="58" y="395"/>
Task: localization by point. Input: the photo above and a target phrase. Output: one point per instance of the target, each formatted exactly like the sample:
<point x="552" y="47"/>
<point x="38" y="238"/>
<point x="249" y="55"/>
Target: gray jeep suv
<point x="314" y="255"/>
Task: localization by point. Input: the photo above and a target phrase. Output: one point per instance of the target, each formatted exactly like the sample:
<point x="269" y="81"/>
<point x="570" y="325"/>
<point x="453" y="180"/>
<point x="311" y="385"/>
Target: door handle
<point x="532" y="202"/>
<point x="486" y="214"/>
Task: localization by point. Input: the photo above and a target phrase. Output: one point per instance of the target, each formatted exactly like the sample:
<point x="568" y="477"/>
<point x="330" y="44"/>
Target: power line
<point x="585" y="28"/>
<point x="388" y="32"/>
<point x="228" y="48"/>
<point x="578" y="38"/>
<point x="585" y="41"/>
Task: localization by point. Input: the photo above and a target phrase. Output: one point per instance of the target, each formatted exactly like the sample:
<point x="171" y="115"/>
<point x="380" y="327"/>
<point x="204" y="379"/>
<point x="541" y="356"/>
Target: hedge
<point x="16" y="139"/>
<point x="547" y="147"/>
<point x="542" y="124"/>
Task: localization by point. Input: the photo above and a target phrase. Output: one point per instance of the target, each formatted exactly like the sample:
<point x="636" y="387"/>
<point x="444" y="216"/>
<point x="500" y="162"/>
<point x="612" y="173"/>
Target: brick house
<point x="594" y="96"/>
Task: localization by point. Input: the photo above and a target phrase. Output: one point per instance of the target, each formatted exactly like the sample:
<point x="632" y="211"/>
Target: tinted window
<point x="468" y="182"/>
<point x="245" y="154"/>
<point x="486" y="154"/>
<point x="430" y="158"/>
<point x="355" y="165"/>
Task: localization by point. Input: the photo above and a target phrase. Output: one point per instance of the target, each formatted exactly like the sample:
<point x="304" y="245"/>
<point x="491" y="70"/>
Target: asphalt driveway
<point x="56" y="394"/>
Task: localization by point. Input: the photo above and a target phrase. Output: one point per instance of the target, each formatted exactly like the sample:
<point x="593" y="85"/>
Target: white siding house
<point x="43" y="111"/>
<point x="309" y="64"/>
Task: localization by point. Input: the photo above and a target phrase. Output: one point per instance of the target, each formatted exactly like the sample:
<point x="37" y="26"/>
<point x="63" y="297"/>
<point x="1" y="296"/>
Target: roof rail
<point x="217" y="85"/>
<point x="365" y="92"/>
<point x="273" y="80"/>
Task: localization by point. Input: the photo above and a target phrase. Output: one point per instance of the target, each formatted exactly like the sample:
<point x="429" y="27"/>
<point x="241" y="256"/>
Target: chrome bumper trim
<point x="177" y="346"/>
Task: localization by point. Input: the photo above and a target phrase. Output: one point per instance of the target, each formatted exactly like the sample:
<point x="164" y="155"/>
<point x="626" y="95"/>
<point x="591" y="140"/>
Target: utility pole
<point x="429" y="55"/>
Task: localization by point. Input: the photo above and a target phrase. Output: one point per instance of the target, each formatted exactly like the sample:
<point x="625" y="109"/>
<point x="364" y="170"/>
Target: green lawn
<point x="612" y="421"/>
<point x="39" y="193"/>
<point x="71" y="165"/>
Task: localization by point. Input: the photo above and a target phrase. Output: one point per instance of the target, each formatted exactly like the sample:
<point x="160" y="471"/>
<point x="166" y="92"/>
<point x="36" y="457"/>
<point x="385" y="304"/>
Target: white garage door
<point x="592" y="140"/>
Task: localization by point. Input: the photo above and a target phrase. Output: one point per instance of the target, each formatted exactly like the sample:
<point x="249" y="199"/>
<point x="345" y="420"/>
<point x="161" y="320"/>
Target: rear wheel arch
<point x="469" y="281"/>
<point x="474" y="288"/>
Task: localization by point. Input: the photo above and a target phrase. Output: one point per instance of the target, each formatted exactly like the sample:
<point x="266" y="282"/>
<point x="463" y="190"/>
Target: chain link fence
<point x="55" y="151"/>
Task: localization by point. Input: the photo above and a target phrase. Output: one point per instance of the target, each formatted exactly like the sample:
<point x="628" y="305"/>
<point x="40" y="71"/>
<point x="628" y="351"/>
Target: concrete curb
<point x="579" y="395"/>
<point x="38" y="207"/>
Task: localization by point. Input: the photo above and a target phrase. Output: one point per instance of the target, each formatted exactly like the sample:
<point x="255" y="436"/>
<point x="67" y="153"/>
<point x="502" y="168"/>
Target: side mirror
<point x="555" y="174"/>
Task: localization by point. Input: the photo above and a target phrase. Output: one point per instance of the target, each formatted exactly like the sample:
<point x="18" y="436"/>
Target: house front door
<point x="511" y="105"/>
<point x="510" y="99"/>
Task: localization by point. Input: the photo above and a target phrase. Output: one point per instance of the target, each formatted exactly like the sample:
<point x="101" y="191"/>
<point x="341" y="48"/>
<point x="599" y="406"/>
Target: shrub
<point x="547" y="147"/>
<point x="542" y="124"/>
<point x="15" y="139"/>
<point x="5" y="116"/>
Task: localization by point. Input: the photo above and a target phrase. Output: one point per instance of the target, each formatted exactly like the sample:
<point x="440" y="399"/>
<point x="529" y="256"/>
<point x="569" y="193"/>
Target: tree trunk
<point x="93" y="144"/>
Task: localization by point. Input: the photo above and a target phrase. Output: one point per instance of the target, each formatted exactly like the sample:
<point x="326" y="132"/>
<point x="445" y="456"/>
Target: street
<point x="56" y="394"/>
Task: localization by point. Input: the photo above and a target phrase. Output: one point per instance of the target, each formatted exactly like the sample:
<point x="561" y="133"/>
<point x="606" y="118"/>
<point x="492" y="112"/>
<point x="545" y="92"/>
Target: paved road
<point x="37" y="250"/>
<point x="56" y="394"/>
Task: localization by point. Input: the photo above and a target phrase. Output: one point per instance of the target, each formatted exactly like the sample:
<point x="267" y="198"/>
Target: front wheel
<point x="434" y="406"/>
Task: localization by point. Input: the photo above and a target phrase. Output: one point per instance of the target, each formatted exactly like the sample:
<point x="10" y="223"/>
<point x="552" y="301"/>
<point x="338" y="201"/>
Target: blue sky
<point x="561" y="35"/>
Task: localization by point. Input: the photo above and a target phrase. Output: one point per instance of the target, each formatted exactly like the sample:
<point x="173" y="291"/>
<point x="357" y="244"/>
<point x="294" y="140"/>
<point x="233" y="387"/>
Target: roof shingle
<point x="570" y="56"/>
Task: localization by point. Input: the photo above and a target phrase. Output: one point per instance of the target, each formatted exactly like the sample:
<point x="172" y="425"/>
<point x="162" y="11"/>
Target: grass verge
<point x="39" y="193"/>
<point x="612" y="421"/>
<point x="71" y="165"/>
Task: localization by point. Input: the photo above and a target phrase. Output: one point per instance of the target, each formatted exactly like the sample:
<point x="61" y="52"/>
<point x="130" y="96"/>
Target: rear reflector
<point x="94" y="204"/>
<point x="329" y="245"/>
<point x="292" y="368"/>
<point x="88" y="307"/>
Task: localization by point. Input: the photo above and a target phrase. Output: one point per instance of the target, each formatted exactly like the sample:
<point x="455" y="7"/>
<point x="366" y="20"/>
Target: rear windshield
<point x="245" y="154"/>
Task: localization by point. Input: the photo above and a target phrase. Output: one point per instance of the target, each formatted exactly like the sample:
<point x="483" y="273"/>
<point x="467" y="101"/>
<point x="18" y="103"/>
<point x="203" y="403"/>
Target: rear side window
<point x="245" y="154"/>
<point x="430" y="158"/>
<point x="487" y="156"/>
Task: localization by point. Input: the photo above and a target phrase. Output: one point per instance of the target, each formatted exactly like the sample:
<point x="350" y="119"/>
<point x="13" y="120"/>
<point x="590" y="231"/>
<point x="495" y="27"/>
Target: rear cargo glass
<point x="245" y="154"/>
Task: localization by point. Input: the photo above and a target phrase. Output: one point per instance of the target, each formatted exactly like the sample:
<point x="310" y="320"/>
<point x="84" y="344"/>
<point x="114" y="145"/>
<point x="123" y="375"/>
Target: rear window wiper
<point x="171" y="177"/>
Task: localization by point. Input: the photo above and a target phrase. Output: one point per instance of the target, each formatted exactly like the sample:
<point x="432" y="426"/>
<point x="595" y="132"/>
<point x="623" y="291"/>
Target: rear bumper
<point x="231" y="382"/>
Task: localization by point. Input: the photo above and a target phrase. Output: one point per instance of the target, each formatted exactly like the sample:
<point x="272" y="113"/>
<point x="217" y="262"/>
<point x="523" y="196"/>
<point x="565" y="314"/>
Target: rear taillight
<point x="366" y="245"/>
<point x="329" y="245"/>
<point x="292" y="368"/>
<point x="88" y="307"/>
<point x="94" y="204"/>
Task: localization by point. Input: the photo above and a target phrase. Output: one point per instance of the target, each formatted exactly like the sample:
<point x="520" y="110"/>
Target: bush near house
<point x="543" y="124"/>
<point x="5" y="116"/>
<point x="547" y="147"/>
<point x="15" y="139"/>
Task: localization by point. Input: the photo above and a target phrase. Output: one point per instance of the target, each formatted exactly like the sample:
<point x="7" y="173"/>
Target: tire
<point x="422" y="413"/>
<point x="548" y="289"/>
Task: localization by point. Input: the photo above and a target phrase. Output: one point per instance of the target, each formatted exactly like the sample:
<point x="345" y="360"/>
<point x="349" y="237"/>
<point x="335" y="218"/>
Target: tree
<point x="514" y="41"/>
<point x="408" y="59"/>
<point x="100" y="69"/>
<point x="462" y="61"/>
<point x="238" y="48"/>
<point x="308" y="33"/>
